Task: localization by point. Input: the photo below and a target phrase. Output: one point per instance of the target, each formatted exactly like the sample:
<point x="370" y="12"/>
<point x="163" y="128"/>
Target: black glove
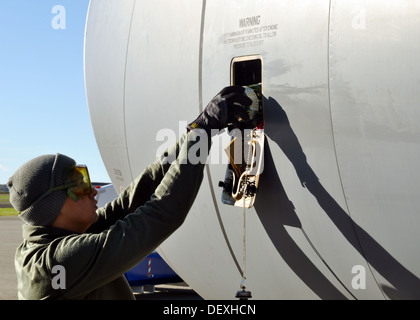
<point x="228" y="108"/>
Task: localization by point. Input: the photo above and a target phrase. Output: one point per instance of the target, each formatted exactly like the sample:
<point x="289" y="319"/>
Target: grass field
<point x="9" y="210"/>
<point x="4" y="196"/>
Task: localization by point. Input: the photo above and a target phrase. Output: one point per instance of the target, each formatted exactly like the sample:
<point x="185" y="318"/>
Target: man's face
<point x="81" y="213"/>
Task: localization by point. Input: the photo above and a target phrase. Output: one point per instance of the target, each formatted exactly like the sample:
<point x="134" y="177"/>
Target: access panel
<point x="246" y="149"/>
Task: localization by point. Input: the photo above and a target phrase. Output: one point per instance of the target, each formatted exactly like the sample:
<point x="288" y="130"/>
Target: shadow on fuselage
<point x="276" y="211"/>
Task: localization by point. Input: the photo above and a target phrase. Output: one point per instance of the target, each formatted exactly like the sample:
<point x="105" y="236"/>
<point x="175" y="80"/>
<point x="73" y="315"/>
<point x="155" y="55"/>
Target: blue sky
<point x="43" y="106"/>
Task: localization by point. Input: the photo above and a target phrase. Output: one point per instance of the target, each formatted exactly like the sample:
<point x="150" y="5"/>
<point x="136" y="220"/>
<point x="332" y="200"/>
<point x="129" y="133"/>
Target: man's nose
<point x="94" y="192"/>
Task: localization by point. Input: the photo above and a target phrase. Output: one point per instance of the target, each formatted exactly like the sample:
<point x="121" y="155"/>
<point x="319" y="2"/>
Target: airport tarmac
<point x="11" y="237"/>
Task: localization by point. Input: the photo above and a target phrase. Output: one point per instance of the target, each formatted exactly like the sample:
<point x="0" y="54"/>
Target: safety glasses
<point x="77" y="182"/>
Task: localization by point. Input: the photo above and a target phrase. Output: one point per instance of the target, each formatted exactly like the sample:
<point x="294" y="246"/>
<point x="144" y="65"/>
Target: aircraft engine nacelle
<point x="337" y="212"/>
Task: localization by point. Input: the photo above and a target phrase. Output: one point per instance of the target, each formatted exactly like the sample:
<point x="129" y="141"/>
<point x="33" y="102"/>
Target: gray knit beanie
<point x="29" y="187"/>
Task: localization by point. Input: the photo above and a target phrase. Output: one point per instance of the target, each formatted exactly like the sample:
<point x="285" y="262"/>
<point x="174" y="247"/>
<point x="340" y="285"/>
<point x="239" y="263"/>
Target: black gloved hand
<point x="228" y="108"/>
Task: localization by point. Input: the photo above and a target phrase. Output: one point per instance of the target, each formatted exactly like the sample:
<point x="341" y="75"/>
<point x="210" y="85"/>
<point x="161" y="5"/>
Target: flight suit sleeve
<point x="138" y="192"/>
<point x="103" y="257"/>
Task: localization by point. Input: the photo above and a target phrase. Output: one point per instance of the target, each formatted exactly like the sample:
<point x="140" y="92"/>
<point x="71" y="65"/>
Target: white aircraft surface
<point x="337" y="213"/>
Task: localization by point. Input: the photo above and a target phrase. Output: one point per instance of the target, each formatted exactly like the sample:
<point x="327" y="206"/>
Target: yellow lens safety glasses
<point x="80" y="183"/>
<point x="77" y="183"/>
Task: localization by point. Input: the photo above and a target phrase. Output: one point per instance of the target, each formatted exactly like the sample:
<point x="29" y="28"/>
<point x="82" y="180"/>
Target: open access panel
<point x="246" y="148"/>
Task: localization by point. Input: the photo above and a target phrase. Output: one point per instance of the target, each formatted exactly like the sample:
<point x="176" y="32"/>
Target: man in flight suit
<point x="63" y="226"/>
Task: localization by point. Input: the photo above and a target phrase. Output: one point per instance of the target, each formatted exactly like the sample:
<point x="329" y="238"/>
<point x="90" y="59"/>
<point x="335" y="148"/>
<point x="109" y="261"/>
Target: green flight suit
<point x="129" y="228"/>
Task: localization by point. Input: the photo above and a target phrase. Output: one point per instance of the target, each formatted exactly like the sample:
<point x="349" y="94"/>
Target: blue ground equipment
<point x="152" y="270"/>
